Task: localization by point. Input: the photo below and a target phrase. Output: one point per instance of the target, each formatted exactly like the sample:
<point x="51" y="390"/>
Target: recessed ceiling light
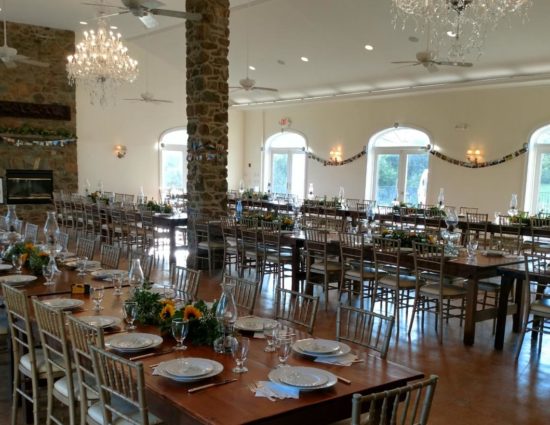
<point x="451" y="33"/>
<point x="369" y="47"/>
<point x="304" y="59"/>
<point x="413" y="39"/>
<point x="281" y="62"/>
<point x="252" y="68"/>
<point x="83" y="23"/>
<point x="114" y="27"/>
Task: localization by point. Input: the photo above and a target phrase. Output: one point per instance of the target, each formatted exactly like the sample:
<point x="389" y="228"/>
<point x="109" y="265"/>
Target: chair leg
<point x="15" y="397"/>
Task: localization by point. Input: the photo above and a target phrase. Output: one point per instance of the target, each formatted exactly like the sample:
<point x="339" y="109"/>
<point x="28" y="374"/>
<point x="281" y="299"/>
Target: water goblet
<point x="284" y="345"/>
<point x="98" y="292"/>
<point x="180" y="328"/>
<point x="270" y="332"/>
<point x="17" y="262"/>
<point x="81" y="263"/>
<point x="130" y="311"/>
<point x="239" y="350"/>
<point x="169" y="292"/>
<point x="117" y="283"/>
<point x="49" y="274"/>
<point x="471" y="248"/>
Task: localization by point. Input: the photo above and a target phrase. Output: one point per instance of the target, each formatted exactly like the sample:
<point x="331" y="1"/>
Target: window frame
<point x="534" y="164"/>
<point x="173" y="147"/>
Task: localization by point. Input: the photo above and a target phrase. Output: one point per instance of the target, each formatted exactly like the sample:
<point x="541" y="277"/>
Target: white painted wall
<point x="500" y="120"/>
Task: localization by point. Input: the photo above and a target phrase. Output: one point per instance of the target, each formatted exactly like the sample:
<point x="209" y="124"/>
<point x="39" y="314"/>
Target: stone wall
<point x="33" y="84"/>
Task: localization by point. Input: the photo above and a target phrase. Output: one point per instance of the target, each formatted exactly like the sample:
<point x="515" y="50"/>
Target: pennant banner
<point x="332" y="163"/>
<point x="469" y="164"/>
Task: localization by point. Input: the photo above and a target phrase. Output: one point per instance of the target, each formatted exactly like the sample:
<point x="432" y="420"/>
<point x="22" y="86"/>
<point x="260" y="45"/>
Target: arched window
<point x="537" y="189"/>
<point x="173" y="160"/>
<point x="397" y="167"/>
<point x="285" y="163"/>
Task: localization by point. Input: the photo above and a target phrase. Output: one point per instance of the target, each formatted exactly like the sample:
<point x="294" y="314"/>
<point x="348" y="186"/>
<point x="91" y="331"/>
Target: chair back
<point x="110" y="256"/>
<point x="31" y="232"/>
<point x="245" y="293"/>
<point x="478" y="224"/>
<point x="428" y="258"/>
<point x="352" y="249"/>
<point x="409" y="404"/>
<point x="387" y="252"/>
<point x="468" y="210"/>
<point x="122" y="379"/>
<point x="85" y="248"/>
<point x="145" y="260"/>
<point x="63" y="240"/>
<point x="297" y="308"/>
<point x="363" y="327"/>
<point x="185" y="282"/>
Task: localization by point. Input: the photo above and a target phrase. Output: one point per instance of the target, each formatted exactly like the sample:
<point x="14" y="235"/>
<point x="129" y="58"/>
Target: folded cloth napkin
<point x="275" y="390"/>
<point x="259" y="335"/>
<point x="345" y="360"/>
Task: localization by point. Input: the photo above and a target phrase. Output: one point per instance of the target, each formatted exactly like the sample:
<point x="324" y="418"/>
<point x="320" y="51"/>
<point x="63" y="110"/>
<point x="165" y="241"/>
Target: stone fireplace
<point x="29" y="186"/>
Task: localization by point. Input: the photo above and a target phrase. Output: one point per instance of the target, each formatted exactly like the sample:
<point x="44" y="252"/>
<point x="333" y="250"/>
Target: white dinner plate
<point x="492" y="253"/>
<point x="17" y="279"/>
<point x="64" y="303"/>
<point x="344" y="349"/>
<point x="318" y="346"/>
<point x="189" y="367"/>
<point x="90" y="264"/>
<point x="305" y="375"/>
<point x="217" y="368"/>
<point x="133" y="342"/>
<point x="252" y="323"/>
<point x="100" y="321"/>
<point x="107" y="273"/>
<point x="5" y="267"/>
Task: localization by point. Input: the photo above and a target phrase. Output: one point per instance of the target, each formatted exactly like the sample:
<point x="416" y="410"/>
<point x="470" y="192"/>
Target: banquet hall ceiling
<point x="330" y="33"/>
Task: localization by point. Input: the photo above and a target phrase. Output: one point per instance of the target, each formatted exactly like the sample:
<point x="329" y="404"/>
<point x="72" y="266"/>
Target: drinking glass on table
<point x="17" y="262"/>
<point x="49" y="274"/>
<point x="471" y="248"/>
<point x="98" y="292"/>
<point x="180" y="328"/>
<point x="117" y="283"/>
<point x="130" y="311"/>
<point x="270" y="333"/>
<point x="81" y="263"/>
<point x="284" y="345"/>
<point x="239" y="350"/>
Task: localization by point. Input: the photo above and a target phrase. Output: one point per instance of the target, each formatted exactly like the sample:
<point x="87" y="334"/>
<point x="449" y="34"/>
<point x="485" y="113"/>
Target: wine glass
<point x="239" y="350"/>
<point x="284" y="345"/>
<point x="98" y="292"/>
<point x="270" y="332"/>
<point x="17" y="262"/>
<point x="130" y="313"/>
<point x="49" y="274"/>
<point x="117" y="283"/>
<point x="82" y="263"/>
<point x="471" y="248"/>
<point x="180" y="328"/>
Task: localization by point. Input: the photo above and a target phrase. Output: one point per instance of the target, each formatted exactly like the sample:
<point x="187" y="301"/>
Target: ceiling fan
<point x="148" y="97"/>
<point x="145" y="10"/>
<point x="427" y="58"/>
<point x="9" y="56"/>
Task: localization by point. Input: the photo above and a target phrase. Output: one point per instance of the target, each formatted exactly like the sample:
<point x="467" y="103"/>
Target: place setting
<point x="108" y="274"/>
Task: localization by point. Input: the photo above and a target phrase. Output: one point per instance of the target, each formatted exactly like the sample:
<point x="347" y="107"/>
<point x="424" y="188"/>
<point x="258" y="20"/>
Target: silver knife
<point x="214" y="384"/>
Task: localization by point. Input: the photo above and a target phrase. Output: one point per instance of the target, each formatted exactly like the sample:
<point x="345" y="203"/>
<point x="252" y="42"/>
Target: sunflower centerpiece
<point x="32" y="256"/>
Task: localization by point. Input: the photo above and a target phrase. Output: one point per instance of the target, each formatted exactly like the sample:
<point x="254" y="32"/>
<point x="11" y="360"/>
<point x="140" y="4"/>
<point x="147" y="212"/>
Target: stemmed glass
<point x="270" y="332"/>
<point x="49" y="274"/>
<point x="130" y="313"/>
<point x="180" y="328"/>
<point x="81" y="263"/>
<point x="98" y="292"/>
<point x="117" y="283"/>
<point x="284" y="345"/>
<point x="239" y="350"/>
<point x="471" y="248"/>
<point x="17" y="262"/>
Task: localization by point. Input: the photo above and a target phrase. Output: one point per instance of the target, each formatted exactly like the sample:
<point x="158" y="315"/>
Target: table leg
<point x="506" y="284"/>
<point x="518" y="299"/>
<point x="470" y="320"/>
<point x="172" y="244"/>
<point x="295" y="267"/>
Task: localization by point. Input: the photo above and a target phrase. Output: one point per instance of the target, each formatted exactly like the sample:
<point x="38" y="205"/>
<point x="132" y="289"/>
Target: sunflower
<point x="191" y="312"/>
<point x="167" y="311"/>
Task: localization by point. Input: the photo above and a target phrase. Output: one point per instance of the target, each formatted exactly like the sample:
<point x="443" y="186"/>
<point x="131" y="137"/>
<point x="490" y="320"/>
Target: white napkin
<point x="345" y="360"/>
<point x="259" y="335"/>
<point x="275" y="390"/>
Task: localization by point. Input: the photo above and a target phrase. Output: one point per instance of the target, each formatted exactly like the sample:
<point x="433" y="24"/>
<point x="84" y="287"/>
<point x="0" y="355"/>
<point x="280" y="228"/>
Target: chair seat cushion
<point x="355" y="274"/>
<point x="448" y="290"/>
<point x="405" y="281"/>
<point x="331" y="266"/>
<point x="25" y="361"/>
<point x="61" y="386"/>
<point x="211" y="245"/>
<point x="282" y="258"/>
<point x="96" y="413"/>
<point x="541" y="306"/>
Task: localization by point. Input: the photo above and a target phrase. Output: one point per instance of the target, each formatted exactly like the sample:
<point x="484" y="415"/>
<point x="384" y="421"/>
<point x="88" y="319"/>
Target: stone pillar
<point x="207" y="103"/>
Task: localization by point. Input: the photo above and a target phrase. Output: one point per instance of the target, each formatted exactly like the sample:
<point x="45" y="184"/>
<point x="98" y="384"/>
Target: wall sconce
<point x="120" y="151"/>
<point x="335" y="154"/>
<point x="473" y="155"/>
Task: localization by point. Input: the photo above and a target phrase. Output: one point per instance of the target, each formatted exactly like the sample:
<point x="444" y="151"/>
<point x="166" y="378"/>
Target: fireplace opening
<point x="29" y="186"/>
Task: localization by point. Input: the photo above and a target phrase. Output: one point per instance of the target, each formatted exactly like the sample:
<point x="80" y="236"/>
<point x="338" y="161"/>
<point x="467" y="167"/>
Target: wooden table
<point x="234" y="403"/>
<point x="171" y="222"/>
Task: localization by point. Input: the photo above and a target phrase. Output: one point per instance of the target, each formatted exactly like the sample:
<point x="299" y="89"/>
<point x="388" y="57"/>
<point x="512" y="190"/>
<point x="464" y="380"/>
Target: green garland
<point x="26" y="130"/>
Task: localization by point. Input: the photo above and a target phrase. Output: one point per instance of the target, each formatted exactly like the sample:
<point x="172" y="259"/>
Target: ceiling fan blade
<point x="151" y="4"/>
<point x="9" y="64"/>
<point x="177" y="14"/>
<point x="162" y="101"/>
<point x="411" y="62"/>
<point x="149" y="21"/>
<point x="235" y="88"/>
<point x="103" y="5"/>
<point x="451" y="63"/>
<point x="264" y="89"/>
<point x="29" y="61"/>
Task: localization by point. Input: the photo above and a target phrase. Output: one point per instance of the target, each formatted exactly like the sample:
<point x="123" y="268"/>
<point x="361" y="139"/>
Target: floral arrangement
<point x="334" y="203"/>
<point x="159" y="208"/>
<point x="157" y="311"/>
<point x="32" y="257"/>
<point x="287" y="223"/>
<point x="251" y="194"/>
<point x="521" y="218"/>
<point x="97" y="196"/>
<point x="407" y="238"/>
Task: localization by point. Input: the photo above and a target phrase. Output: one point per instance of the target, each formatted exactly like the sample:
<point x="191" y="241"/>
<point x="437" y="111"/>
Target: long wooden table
<point x="234" y="403"/>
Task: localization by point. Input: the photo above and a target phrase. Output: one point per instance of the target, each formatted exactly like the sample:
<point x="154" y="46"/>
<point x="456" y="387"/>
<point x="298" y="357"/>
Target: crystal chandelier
<point x="464" y="22"/>
<point x="101" y="64"/>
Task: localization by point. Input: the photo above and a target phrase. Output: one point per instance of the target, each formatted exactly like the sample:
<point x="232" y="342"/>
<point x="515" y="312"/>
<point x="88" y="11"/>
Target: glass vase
<point x="10" y="221"/>
<point x="226" y="314"/>
<point x="136" y="278"/>
<point x="513" y="211"/>
<point x="51" y="235"/>
<point x="441" y="199"/>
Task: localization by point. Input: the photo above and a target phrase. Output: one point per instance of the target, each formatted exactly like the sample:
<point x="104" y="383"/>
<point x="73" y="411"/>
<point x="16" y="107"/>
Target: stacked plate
<point x="17" y="279"/>
<point x="4" y="267"/>
<point x="304" y="378"/>
<point x="106" y="274"/>
<point x="90" y="264"/>
<point x="252" y="323"/>
<point x="100" y="321"/>
<point x="64" y="303"/>
<point x="133" y="342"/>
<point x="189" y="369"/>
<point x="320" y="347"/>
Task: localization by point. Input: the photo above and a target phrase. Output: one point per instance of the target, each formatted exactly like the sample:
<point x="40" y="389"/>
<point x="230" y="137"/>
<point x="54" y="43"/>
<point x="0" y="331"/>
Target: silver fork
<point x="254" y="388"/>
